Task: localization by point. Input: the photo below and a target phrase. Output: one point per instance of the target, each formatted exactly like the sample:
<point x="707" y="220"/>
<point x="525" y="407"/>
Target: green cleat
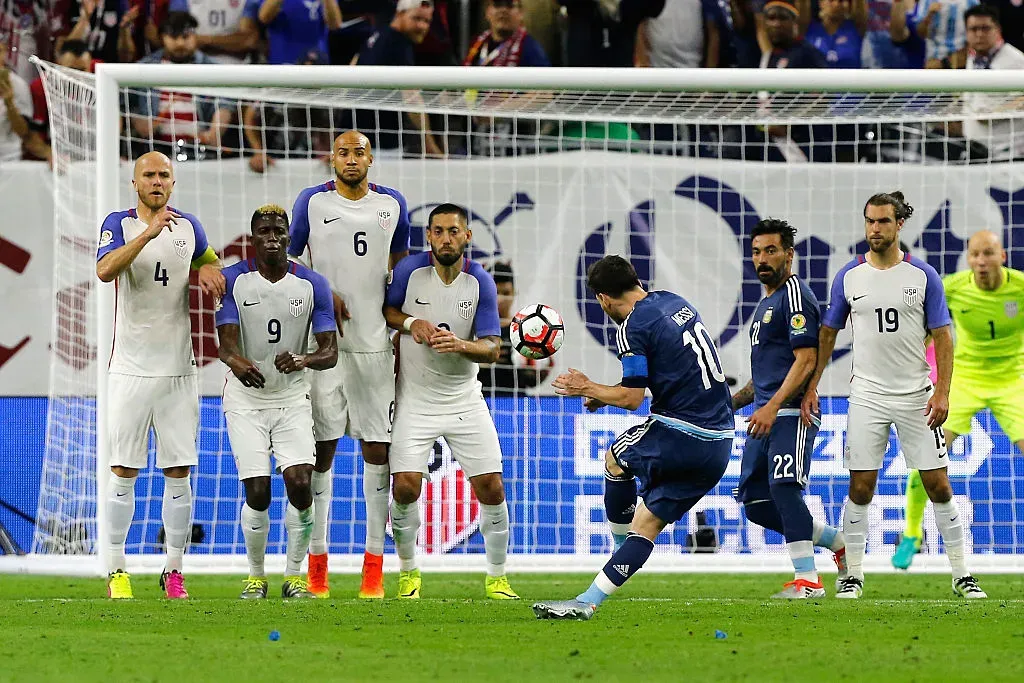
<point x="295" y="587"/>
<point x="119" y="585"/>
<point x="409" y="584"/>
<point x="254" y="588"/>
<point x="497" y="588"/>
<point x="905" y="551"/>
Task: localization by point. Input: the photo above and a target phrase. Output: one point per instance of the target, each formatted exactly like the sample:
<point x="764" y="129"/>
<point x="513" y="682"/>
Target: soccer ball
<point x="536" y="331"/>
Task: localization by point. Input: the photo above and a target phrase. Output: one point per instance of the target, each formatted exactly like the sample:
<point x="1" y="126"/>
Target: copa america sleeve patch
<point x="798" y="322"/>
<point x="106" y="238"/>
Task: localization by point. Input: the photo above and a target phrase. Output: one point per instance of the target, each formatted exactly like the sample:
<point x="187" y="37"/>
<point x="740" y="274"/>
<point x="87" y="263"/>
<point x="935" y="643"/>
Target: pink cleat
<point x="173" y="584"/>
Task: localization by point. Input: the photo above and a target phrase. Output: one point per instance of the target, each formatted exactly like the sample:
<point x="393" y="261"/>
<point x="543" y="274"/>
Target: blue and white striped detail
<point x="630" y="437"/>
<point x="795" y="412"/>
<point x="694" y="430"/>
<point x="620" y="337"/>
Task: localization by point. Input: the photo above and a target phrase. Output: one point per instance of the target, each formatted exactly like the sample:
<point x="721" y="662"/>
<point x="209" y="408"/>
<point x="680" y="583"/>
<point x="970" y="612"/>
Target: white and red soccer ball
<point x="536" y="331"/>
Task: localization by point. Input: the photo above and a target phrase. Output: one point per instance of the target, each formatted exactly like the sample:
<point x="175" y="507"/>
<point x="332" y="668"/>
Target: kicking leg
<point x="619" y="499"/>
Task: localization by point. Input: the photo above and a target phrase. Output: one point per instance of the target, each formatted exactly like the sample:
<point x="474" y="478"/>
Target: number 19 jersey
<point x="152" y="328"/>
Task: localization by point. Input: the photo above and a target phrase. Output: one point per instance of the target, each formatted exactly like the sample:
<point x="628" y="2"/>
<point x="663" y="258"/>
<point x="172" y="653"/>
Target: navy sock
<point x="764" y="514"/>
<point x="797" y="523"/>
<point x="623" y="563"/>
<point x="619" y="505"/>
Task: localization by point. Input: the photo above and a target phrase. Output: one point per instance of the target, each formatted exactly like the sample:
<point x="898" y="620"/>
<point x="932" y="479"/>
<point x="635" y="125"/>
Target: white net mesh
<point x="554" y="180"/>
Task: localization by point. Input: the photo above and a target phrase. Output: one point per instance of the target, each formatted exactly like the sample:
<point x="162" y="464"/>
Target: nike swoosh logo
<point x="331" y="220"/>
<point x="859" y="297"/>
<point x="965" y="310"/>
<point x="249" y="303"/>
<point x="319" y="493"/>
<point x="177" y="496"/>
<point x="854" y="521"/>
<point x="422" y="303"/>
<point x="121" y="494"/>
<point x="955" y="518"/>
<point x="382" y="488"/>
<point x="496" y="522"/>
<point x="256" y="528"/>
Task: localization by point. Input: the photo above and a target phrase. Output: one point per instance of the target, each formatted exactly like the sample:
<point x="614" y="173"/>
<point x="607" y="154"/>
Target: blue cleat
<point x="905" y="551"/>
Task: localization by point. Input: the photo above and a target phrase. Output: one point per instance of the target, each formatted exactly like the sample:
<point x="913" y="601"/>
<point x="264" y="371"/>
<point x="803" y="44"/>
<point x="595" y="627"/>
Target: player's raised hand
<point x="247" y="372"/>
<point x="936" y="410"/>
<point x="809" y="406"/>
<point x="572" y="383"/>
<point x="760" y="423"/>
<point x="422" y="331"/>
<point x="341" y="313"/>
<point x="164" y="218"/>
<point x="287" y="362"/>
<point x="445" y="341"/>
<point x="211" y="280"/>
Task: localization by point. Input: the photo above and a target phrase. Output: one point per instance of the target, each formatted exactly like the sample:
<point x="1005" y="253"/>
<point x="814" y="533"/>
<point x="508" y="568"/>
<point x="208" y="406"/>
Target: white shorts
<point x="470" y="434"/>
<point x="254" y="434"/>
<point x="867" y="433"/>
<point x="170" y="405"/>
<point x="355" y="397"/>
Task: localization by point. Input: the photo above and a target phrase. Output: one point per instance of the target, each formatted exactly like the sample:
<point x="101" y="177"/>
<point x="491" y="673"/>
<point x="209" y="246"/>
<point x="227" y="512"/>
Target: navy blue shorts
<point x="783" y="457"/>
<point x="675" y="469"/>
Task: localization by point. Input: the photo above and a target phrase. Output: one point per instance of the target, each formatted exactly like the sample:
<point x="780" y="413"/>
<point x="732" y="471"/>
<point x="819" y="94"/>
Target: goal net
<point x="556" y="169"/>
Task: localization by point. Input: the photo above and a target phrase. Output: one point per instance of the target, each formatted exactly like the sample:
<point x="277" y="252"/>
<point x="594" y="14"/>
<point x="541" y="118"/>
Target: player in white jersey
<point x="446" y="306"/>
<point x="149" y="251"/>
<point x="353" y="232"/>
<point x="894" y="302"/>
<point x="224" y="32"/>
<point x="263" y="324"/>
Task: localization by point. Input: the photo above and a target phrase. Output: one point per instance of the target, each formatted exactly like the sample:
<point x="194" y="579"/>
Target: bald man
<point x="987" y="305"/>
<point x="149" y="250"/>
<point x="353" y="232"/>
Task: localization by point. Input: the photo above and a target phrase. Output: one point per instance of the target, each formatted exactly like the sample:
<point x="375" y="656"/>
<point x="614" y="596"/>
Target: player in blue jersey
<point x="681" y="451"/>
<point x="777" y="456"/>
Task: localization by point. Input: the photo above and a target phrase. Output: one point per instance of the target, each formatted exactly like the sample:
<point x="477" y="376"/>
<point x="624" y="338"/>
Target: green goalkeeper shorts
<point x="968" y="396"/>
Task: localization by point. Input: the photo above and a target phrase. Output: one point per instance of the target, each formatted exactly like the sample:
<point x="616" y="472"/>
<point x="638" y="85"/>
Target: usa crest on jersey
<point x="295" y="306"/>
<point x="384" y="218"/>
<point x="181" y="248"/>
<point x="912" y="295"/>
<point x="466" y="309"/>
<point x="1011" y="309"/>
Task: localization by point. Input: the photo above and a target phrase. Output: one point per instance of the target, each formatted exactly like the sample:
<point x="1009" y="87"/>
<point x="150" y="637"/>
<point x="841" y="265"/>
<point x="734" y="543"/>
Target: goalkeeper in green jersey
<point x="987" y="305"/>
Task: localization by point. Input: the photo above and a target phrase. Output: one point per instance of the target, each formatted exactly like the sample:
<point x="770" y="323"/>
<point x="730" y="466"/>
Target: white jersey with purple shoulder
<point x="273" y="317"/>
<point x="439" y="383"/>
<point x="892" y="311"/>
<point x="350" y="243"/>
<point x="152" y="328"/>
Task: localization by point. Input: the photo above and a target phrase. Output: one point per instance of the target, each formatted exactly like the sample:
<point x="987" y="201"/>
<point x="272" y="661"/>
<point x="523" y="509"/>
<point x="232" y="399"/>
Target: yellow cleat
<point x="409" y="584"/>
<point x="119" y="586"/>
<point x="497" y="588"/>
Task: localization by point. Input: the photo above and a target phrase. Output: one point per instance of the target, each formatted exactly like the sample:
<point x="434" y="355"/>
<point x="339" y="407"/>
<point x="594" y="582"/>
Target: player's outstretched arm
<point x="826" y="345"/>
<point x="115" y="262"/>
<point x="744" y="397"/>
<point x="575" y="383"/>
<point x="324" y="358"/>
<point x="231" y="354"/>
<point x="804" y="363"/>
<point x="938" y="404"/>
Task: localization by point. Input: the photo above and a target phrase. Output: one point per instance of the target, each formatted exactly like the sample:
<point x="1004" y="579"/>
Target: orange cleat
<point x="372" y="586"/>
<point x="317" y="576"/>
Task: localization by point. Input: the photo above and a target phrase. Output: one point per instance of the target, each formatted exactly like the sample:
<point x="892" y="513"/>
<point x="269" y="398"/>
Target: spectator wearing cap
<point x="903" y="33"/>
<point x="106" y="27"/>
<point x="181" y="125"/>
<point x="294" y="27"/>
<point x="394" y="45"/>
<point x="228" y="30"/>
<point x="506" y="42"/>
<point x="511" y="374"/>
<point x="941" y="24"/>
<point x="1004" y="138"/>
<point x="837" y="32"/>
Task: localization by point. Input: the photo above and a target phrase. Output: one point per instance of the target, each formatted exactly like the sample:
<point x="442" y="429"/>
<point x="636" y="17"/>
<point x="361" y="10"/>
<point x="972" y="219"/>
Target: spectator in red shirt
<point x="73" y="54"/>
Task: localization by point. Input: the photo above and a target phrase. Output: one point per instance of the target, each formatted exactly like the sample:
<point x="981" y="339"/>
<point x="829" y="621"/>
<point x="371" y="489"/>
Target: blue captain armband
<point x="634" y="371"/>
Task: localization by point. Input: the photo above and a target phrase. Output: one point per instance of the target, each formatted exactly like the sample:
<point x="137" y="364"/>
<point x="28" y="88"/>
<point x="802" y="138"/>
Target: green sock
<point x="917" y="498"/>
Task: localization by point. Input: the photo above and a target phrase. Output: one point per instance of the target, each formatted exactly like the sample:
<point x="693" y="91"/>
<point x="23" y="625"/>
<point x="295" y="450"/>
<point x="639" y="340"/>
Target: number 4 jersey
<point x="152" y="330"/>
<point x="664" y="346"/>
<point x="892" y="311"/>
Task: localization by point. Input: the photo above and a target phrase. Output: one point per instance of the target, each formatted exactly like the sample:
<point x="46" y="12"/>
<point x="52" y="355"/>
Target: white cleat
<point x="564" y="609"/>
<point x="801" y="589"/>
<point x="851" y="588"/>
<point x="967" y="587"/>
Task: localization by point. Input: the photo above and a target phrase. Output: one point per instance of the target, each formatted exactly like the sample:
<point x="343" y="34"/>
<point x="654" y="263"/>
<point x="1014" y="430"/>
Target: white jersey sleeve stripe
<point x="620" y="337"/>
<point x="796" y="299"/>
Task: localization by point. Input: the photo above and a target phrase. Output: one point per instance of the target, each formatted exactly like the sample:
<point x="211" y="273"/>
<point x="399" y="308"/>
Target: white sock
<point x="951" y="528"/>
<point x="299" y="524"/>
<point x="405" y="525"/>
<point x="322" y="484"/>
<point x="494" y="527"/>
<point x="802" y="555"/>
<point x="177" y="517"/>
<point x="855" y="529"/>
<point x="255" y="530"/>
<point x="120" y="511"/>
<point x="376" y="482"/>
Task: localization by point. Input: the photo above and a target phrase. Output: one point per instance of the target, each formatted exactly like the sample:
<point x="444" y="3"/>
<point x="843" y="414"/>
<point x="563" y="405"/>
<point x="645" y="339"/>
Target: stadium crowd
<point x="841" y="34"/>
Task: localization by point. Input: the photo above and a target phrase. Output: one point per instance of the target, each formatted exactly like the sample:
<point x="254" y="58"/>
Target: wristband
<point x="407" y="325"/>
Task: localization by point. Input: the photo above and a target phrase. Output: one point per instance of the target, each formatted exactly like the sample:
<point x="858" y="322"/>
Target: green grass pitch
<point x="660" y="627"/>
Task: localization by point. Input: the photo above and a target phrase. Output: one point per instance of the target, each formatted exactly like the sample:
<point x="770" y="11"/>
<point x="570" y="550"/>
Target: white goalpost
<point x="557" y="167"/>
